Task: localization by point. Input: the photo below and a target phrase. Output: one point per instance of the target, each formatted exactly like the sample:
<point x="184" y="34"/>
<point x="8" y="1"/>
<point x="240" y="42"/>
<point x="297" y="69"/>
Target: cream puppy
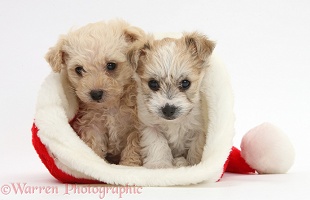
<point x="169" y="74"/>
<point x="93" y="64"/>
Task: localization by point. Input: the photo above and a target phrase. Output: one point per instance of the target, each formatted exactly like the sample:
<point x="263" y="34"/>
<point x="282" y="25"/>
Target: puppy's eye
<point x="79" y="70"/>
<point x="154" y="85"/>
<point x="111" y="66"/>
<point x="185" y="84"/>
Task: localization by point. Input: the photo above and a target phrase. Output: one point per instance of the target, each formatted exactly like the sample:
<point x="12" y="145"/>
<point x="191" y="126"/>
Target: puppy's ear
<point x="133" y="34"/>
<point x="55" y="55"/>
<point x="199" y="45"/>
<point x="136" y="52"/>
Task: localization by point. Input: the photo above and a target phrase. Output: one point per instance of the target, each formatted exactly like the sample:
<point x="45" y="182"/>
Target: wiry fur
<point x="107" y="125"/>
<point x="177" y="140"/>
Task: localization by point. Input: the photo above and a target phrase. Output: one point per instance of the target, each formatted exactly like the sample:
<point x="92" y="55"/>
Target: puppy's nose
<point x="96" y="94"/>
<point x="168" y="110"/>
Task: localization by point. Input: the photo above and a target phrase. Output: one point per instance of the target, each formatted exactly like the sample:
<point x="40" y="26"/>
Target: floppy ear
<point x="133" y="57"/>
<point x="137" y="51"/>
<point x="199" y="45"/>
<point x="55" y="55"/>
<point x="133" y="34"/>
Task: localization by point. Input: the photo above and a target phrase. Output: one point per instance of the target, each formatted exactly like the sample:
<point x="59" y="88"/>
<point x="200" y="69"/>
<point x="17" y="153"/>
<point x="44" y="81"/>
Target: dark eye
<point x="111" y="66"/>
<point x="154" y="85"/>
<point x="185" y="84"/>
<point x="79" y="70"/>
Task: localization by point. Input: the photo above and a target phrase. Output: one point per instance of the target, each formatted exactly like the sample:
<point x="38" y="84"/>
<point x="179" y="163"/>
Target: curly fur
<point x="109" y="124"/>
<point x="177" y="140"/>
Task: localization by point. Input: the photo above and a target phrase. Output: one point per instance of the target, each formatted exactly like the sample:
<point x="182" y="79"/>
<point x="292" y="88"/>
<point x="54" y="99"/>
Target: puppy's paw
<point x="180" y="162"/>
<point x="158" y="165"/>
<point x="94" y="141"/>
<point x="193" y="160"/>
<point x="100" y="150"/>
<point x="131" y="162"/>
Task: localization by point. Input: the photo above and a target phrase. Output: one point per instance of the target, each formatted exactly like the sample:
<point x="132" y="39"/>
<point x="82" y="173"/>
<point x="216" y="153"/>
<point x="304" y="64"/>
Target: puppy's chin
<point x="171" y="119"/>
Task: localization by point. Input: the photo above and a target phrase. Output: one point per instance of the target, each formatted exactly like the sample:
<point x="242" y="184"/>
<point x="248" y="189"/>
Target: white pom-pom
<point x="267" y="149"/>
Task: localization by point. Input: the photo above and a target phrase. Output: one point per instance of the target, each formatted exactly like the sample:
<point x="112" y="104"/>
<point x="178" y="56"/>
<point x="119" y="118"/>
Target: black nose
<point x="168" y="110"/>
<point x="96" y="94"/>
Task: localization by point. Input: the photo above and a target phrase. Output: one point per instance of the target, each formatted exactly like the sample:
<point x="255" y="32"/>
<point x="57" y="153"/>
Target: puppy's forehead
<point x="165" y="47"/>
<point x="168" y="59"/>
<point x="98" y="41"/>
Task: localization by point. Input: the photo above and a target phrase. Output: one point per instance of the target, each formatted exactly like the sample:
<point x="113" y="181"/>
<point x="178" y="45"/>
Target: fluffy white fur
<point x="55" y="109"/>
<point x="267" y="149"/>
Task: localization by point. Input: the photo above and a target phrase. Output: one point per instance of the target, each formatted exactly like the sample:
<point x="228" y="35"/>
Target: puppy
<point x="93" y="65"/>
<point x="169" y="74"/>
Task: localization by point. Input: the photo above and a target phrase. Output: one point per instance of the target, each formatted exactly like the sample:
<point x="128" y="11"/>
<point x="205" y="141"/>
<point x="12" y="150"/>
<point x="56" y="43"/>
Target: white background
<point x="265" y="45"/>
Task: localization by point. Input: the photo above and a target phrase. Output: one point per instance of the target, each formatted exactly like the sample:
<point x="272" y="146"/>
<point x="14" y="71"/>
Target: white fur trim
<point x="55" y="109"/>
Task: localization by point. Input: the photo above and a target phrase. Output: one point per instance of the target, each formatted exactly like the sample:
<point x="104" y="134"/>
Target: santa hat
<point x="264" y="149"/>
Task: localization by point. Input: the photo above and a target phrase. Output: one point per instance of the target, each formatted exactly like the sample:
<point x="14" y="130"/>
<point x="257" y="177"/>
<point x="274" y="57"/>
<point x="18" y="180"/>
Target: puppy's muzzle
<point x="169" y="111"/>
<point x="96" y="94"/>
